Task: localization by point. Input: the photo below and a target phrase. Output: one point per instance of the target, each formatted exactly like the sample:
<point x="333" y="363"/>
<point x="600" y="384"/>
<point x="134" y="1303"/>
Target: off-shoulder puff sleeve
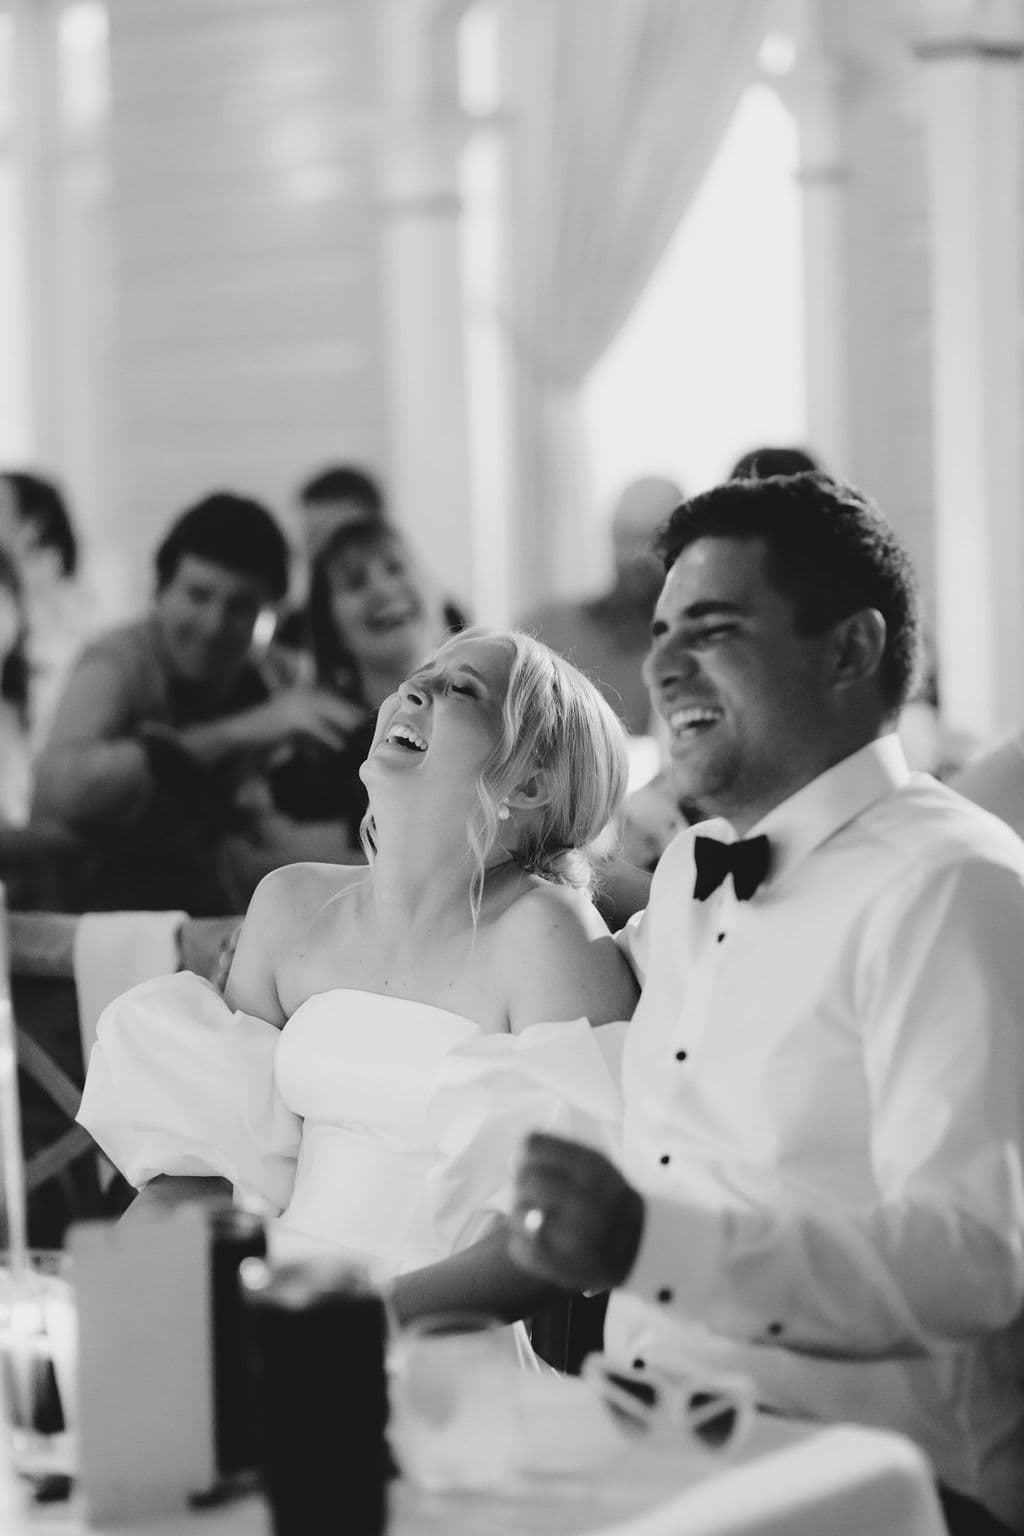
<point x="179" y="1084"/>
<point x="494" y="1090"/>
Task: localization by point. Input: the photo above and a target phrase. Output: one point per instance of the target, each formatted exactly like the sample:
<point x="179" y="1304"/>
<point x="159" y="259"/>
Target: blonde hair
<point x="555" y="721"/>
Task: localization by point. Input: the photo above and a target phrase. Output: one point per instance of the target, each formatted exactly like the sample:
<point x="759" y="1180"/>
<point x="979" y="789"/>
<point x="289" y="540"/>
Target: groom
<point x="822" y="1184"/>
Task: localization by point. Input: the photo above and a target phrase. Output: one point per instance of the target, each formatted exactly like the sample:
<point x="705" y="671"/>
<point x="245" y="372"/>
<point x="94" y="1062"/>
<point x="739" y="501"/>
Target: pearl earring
<point x="503" y="812"/>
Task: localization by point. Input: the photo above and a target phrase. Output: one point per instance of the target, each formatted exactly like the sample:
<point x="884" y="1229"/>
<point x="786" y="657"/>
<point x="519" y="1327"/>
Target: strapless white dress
<point x="377" y="1127"/>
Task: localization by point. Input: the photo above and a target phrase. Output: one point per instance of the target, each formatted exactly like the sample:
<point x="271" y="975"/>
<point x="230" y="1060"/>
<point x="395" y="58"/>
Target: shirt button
<point x="664" y="1159"/>
<point x="639" y="1364"/>
<point x="664" y="1295"/>
<point x="720" y="938"/>
<point x="774" y="1329"/>
<point x="680" y="1055"/>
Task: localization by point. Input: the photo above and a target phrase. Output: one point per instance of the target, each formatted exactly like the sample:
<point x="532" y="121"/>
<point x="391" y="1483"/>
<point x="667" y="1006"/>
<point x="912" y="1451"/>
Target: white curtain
<point x="615" y="109"/>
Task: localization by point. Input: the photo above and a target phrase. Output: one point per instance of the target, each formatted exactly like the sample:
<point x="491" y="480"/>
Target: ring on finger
<point x="534" y="1220"/>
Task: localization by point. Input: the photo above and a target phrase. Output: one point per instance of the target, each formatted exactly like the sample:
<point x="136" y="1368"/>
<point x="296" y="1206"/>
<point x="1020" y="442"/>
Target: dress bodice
<point x="362" y="1071"/>
<point x="348" y="1057"/>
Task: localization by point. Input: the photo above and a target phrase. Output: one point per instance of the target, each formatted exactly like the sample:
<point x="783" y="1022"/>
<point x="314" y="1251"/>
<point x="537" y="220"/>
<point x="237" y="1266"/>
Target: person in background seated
<point x="36" y="529"/>
<point x="166" y="720"/>
<point x="372" y="620"/>
<point x="607" y="635"/>
<point x="432" y="1005"/>
<point x="15" y="753"/>
<point x="995" y="780"/>
<point x="329" y="502"/>
<point x="823" y="1175"/>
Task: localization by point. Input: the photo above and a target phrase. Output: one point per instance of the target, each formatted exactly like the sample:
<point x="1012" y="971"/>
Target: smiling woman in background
<point x="373" y="619"/>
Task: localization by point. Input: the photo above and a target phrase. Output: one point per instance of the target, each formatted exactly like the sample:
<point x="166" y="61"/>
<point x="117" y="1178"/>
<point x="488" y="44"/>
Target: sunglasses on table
<point x="715" y="1411"/>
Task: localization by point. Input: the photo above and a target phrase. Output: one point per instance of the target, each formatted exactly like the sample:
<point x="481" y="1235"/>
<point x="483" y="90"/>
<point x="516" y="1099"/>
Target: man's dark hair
<point x="344" y="482"/>
<point x="829" y="550"/>
<point x="231" y="531"/>
<point x="39" y="503"/>
<point x="762" y="463"/>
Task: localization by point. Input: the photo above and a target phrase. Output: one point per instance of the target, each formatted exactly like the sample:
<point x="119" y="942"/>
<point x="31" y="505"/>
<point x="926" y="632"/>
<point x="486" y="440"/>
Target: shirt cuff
<point x="679" y="1259"/>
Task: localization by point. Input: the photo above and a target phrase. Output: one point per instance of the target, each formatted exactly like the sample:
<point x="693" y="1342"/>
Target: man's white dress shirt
<point x="824" y="1092"/>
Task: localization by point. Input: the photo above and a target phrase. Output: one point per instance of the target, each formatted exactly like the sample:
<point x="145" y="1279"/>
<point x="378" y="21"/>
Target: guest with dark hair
<point x="15" y="755"/>
<point x="334" y="498"/>
<point x="763" y="463"/>
<point x="37" y="530"/>
<point x="164" y="720"/>
<point x="823" y="1173"/>
<point x="330" y="502"/>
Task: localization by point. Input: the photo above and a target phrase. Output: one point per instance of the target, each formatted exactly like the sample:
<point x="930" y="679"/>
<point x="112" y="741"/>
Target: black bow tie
<point x="747" y="861"/>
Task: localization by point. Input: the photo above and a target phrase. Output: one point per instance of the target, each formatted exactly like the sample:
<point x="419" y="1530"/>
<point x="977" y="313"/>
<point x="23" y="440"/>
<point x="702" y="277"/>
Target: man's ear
<point x="859" y="646"/>
<point x="532" y="793"/>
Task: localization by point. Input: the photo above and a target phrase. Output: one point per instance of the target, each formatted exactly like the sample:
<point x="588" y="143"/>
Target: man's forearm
<point x="97" y="783"/>
<point x="218" y="741"/>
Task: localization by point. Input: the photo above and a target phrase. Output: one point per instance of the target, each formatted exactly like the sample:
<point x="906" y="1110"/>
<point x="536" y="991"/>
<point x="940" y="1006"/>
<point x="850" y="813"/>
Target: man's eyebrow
<point x="712" y="605"/>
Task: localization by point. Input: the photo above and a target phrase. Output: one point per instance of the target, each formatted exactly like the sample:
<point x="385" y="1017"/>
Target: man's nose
<point x="668" y="662"/>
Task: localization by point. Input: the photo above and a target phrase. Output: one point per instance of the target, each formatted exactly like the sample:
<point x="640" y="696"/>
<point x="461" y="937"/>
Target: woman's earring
<point x="503" y="812"/>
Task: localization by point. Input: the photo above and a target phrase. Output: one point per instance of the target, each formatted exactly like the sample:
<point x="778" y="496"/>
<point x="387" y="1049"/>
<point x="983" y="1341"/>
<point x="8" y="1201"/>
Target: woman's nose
<point x="412" y="692"/>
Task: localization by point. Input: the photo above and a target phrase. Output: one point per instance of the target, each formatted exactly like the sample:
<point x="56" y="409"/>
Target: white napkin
<point x="496" y="1427"/>
<point x="113" y="952"/>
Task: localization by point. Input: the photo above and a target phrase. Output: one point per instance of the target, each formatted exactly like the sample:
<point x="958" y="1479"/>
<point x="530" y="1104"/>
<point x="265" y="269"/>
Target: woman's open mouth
<point x="406" y="737"/>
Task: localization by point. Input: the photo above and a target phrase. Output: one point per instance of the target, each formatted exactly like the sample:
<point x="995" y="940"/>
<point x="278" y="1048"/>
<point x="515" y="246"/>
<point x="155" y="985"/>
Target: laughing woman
<point x="390" y="1032"/>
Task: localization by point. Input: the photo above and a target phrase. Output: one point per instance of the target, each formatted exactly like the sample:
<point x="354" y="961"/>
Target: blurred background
<point x="509" y="255"/>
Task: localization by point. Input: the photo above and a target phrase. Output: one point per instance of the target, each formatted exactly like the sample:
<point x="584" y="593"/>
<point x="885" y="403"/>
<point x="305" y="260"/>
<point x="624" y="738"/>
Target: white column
<point x="970" y="57"/>
<point x="814" y="94"/>
<point x="422" y="134"/>
<point x="34" y="159"/>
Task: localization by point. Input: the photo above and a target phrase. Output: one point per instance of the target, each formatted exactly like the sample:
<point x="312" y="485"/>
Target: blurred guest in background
<point x="329" y="502"/>
<point x="165" y="721"/>
<point x="15" y="755"/>
<point x="36" y="527"/>
<point x="607" y="636"/>
<point x="995" y="780"/>
<point x="373" y="618"/>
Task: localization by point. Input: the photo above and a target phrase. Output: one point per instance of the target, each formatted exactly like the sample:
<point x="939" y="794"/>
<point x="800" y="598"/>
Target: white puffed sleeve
<point x="493" y="1091"/>
<point x="179" y="1084"/>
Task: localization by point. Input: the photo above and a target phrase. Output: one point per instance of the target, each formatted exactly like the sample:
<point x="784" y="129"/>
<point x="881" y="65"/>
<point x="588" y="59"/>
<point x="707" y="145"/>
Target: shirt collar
<point x="832" y="800"/>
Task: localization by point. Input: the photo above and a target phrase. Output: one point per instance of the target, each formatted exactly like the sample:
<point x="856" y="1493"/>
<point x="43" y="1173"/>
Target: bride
<point x="389" y="1032"/>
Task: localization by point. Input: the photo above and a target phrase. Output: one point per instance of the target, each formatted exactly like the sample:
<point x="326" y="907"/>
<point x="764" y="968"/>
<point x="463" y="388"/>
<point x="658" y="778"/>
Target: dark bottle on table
<point x="235" y="1235"/>
<point x="317" y="1336"/>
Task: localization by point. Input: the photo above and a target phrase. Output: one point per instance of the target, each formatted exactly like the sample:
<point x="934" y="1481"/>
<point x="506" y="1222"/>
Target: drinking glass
<point x="454" y="1419"/>
<point x="38" y="1342"/>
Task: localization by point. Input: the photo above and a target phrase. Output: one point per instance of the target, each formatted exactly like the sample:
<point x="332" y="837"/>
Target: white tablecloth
<point x="787" y="1480"/>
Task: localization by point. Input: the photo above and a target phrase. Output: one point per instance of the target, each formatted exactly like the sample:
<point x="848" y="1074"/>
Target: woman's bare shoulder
<point x="284" y="905"/>
<point x="559" y="961"/>
<point x="295" y="893"/>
